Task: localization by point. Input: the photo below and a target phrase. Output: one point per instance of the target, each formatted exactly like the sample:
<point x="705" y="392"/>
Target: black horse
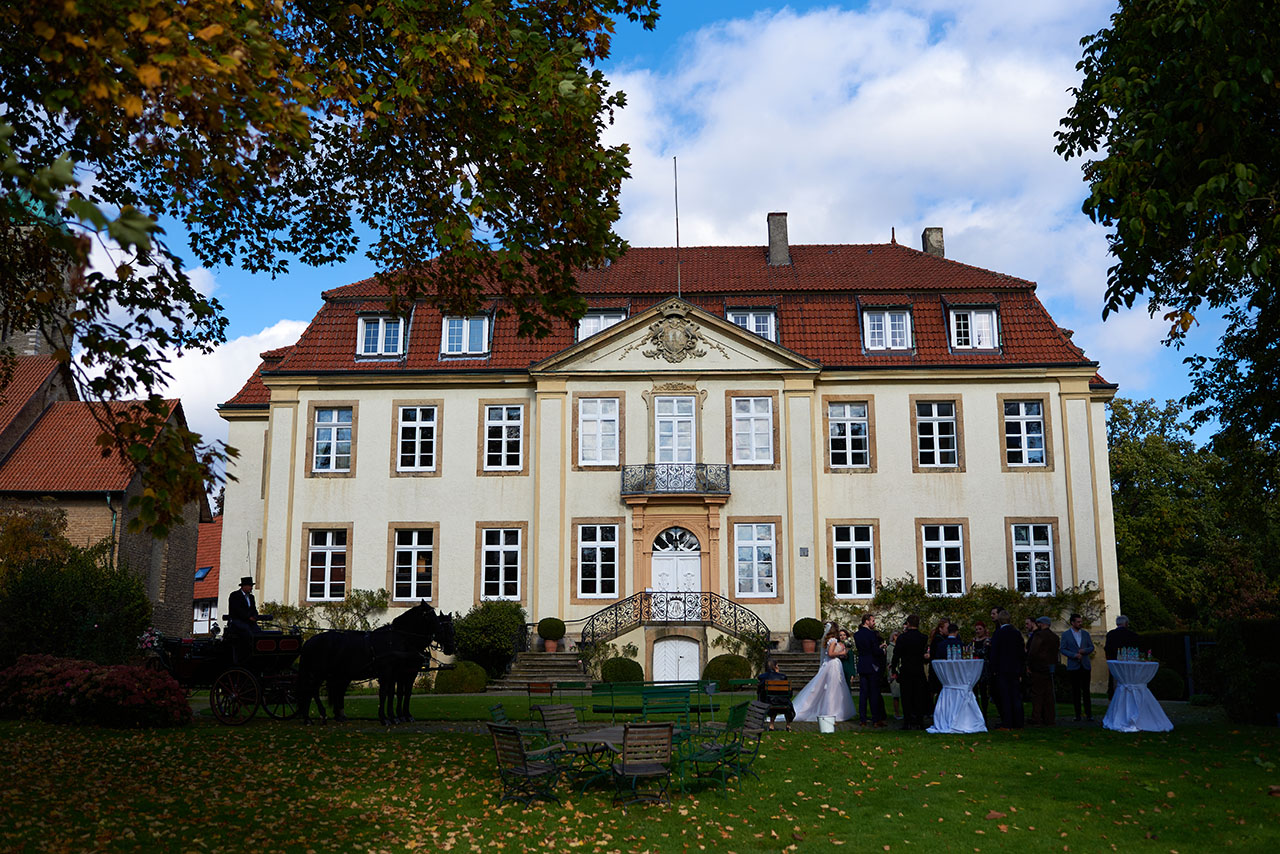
<point x="392" y="654"/>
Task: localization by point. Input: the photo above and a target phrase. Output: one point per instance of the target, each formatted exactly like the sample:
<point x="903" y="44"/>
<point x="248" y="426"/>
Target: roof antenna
<point x="893" y="235"/>
<point x="675" y="173"/>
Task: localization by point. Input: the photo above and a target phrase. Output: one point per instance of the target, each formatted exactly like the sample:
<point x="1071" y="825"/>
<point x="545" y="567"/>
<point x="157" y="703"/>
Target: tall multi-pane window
<point x="886" y="330"/>
<point x="598" y="431"/>
<point x="973" y="329"/>
<point x="417" y="450"/>
<point x="936" y="434"/>
<point x="598" y="321"/>
<point x="500" y="563"/>
<point x="598" y="561"/>
<point x="849" y="435"/>
<point x="943" y="559"/>
<point x="465" y="335"/>
<point x="854" y="565"/>
<point x="332" y="440"/>
<point x="504" y="438"/>
<point x="673" y="429"/>
<point x="753" y="430"/>
<point x="762" y="323"/>
<point x="327" y="565"/>
<point x="755" y="571"/>
<point x="1033" y="558"/>
<point x="414" y="564"/>
<point x="380" y="336"/>
<point x="1024" y="433"/>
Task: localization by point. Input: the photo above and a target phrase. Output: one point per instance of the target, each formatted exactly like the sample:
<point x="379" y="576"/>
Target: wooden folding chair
<point x="525" y="774"/>
<point x="645" y="755"/>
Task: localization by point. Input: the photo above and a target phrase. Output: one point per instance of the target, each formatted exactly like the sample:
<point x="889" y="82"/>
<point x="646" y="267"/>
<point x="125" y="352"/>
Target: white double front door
<point x="675" y="660"/>
<point x="677" y="572"/>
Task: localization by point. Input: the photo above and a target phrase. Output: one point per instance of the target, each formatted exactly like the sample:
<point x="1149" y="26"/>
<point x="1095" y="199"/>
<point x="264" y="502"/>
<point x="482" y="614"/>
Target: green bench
<point x="644" y="698"/>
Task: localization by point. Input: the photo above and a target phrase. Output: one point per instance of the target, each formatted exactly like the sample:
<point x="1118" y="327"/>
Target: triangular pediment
<point x="674" y="336"/>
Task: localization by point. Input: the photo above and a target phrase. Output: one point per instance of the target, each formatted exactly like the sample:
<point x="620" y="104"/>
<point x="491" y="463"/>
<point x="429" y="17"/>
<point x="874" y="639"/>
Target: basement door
<point x="675" y="660"/>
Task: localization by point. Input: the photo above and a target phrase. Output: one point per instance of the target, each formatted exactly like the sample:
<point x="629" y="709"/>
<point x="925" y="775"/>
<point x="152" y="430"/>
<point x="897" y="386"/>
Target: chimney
<point x="931" y="242"/>
<point x="779" y="251"/>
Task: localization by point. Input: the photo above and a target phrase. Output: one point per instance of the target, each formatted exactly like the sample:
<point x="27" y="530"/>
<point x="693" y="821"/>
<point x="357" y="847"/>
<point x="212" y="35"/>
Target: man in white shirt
<point x="1076" y="647"/>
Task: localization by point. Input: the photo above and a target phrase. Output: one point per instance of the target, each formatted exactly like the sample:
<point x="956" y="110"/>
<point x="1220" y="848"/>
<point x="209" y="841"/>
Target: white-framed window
<point x="381" y="336"/>
<point x="973" y="329"/>
<point x="598" y="321"/>
<point x="763" y="322"/>
<point x="936" y="436"/>
<point x="755" y="570"/>
<point x="598" y="431"/>
<point x="674" y="419"/>
<point x="753" y="430"/>
<point x="333" y="440"/>
<point x="854" y="564"/>
<point x="500" y="563"/>
<point x="849" y="435"/>
<point x="1024" y="433"/>
<point x="504" y="437"/>
<point x="887" y="329"/>
<point x="464" y="336"/>
<point x="943" y="559"/>
<point x="1033" y="558"/>
<point x="327" y="565"/>
<point x="414" y="564"/>
<point x="598" y="561"/>
<point x="417" y="450"/>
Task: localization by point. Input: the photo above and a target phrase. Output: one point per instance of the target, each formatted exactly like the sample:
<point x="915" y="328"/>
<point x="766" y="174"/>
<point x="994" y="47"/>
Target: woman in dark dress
<point x="937" y="652"/>
<point x="980" y="643"/>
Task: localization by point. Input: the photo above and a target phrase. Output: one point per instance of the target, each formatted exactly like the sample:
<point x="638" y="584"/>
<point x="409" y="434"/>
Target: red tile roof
<point x="817" y="297"/>
<point x="61" y="454"/>
<point x="29" y="374"/>
<point x="209" y="553"/>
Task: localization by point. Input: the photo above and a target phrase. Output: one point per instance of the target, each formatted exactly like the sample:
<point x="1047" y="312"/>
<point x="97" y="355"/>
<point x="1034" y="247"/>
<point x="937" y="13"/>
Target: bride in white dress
<point x="828" y="692"/>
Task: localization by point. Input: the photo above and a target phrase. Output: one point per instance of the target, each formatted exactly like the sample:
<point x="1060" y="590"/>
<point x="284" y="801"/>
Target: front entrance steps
<point x="540" y="667"/>
<point x="798" y="667"/>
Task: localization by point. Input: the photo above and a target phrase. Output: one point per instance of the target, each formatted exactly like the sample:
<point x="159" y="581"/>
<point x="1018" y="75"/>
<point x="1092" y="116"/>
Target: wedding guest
<point x="779" y="703"/>
<point x="895" y="689"/>
<point x="1077" y="648"/>
<point x="1121" y="637"/>
<point x="937" y="652"/>
<point x="871" y="663"/>
<point x="1007" y="661"/>
<point x="1042" y="657"/>
<point x="849" y="661"/>
<point x="980" y="644"/>
<point x="908" y="665"/>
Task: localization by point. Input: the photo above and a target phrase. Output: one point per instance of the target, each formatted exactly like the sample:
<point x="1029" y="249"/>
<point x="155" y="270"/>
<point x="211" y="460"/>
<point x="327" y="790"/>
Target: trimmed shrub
<point x="1167" y="685"/>
<point x="489" y="634"/>
<point x="722" y="668"/>
<point x="551" y="628"/>
<point x="621" y="670"/>
<point x="807" y="628"/>
<point x="62" y="690"/>
<point x="465" y="678"/>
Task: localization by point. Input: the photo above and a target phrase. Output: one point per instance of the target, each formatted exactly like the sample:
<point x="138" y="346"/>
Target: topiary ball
<point x="621" y="670"/>
<point x="466" y="677"/>
<point x="722" y="668"/>
<point x="551" y="628"/>
<point x="807" y="628"/>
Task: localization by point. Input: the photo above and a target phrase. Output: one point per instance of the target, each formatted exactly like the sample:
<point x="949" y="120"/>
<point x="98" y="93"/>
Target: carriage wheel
<point x="280" y="696"/>
<point x="234" y="696"/>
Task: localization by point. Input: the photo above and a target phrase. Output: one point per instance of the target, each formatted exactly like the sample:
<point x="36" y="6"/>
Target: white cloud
<point x="906" y="114"/>
<point x="203" y="381"/>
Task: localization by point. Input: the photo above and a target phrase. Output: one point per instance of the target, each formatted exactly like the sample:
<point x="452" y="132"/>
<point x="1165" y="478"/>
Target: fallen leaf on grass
<point x="995" y="814"/>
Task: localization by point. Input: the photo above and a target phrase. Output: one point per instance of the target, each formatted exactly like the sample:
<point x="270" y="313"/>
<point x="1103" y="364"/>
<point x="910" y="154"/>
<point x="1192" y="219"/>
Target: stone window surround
<point x="729" y="397"/>
<point x="1055" y="547"/>
<point x="1014" y="397"/>
<point x="731" y="589"/>
<point x="392" y="527"/>
<point x="481" y="527"/>
<point x="915" y="435"/>
<point x="966" y="555"/>
<point x="312" y="406"/>
<point x="305" y="574"/>
<point x="622" y="429"/>
<point x="526" y="438"/>
<point x="875" y="556"/>
<point x="870" y="401"/>
<point x="395" y="438"/>
<point x="575" y="597"/>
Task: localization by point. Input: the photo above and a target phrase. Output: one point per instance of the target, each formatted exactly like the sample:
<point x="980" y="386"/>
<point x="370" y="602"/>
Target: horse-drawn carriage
<point x="242" y="674"/>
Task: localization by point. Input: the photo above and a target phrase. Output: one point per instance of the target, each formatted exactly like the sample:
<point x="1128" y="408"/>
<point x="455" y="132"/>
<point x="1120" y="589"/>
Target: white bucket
<point x="826" y="723"/>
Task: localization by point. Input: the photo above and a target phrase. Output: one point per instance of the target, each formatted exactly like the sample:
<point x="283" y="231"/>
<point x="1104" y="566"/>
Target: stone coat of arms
<point x="675" y="337"/>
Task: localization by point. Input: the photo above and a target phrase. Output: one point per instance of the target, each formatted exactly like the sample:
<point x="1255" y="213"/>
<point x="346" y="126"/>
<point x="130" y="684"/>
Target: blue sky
<point x="856" y="119"/>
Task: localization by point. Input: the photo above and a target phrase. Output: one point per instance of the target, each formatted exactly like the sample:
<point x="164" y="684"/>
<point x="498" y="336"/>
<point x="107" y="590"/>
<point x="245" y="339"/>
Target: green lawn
<point x="273" y="786"/>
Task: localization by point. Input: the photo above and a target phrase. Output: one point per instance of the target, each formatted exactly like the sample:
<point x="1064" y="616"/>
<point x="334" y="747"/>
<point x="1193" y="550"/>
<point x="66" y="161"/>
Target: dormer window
<point x="381" y="336"/>
<point x="886" y="329"/>
<point x="763" y="323"/>
<point x="598" y="321"/>
<point x="973" y="329"/>
<point x="465" y="336"/>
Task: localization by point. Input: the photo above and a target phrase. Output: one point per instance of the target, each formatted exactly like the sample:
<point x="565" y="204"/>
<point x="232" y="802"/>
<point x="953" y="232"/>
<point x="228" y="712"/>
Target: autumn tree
<point x="463" y="132"/>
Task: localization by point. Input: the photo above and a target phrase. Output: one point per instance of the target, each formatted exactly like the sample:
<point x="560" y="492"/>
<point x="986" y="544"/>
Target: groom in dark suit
<point x="871" y="663"/>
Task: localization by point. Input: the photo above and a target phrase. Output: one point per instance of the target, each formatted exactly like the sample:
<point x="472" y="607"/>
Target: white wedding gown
<point x="826" y="694"/>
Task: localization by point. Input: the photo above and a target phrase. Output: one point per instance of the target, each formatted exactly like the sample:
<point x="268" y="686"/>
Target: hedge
<point x="465" y="678"/>
<point x="722" y="668"/>
<point x="621" y="670"/>
<point x="64" y="690"/>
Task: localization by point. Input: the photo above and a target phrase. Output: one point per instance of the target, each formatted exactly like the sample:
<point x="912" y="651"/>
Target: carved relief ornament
<point x="675" y="337"/>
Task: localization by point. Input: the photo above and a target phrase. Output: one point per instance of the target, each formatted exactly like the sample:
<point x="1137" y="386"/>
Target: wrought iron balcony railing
<point x="693" y="606"/>
<point x="675" y="478"/>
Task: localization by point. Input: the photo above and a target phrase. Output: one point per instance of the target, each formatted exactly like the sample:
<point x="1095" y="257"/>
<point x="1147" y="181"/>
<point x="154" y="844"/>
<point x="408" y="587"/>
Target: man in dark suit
<point x="773" y="695"/>
<point x="1007" y="661"/>
<point x="908" y="667"/>
<point x="871" y="663"/>
<point x="1121" y="637"/>
<point x="1077" y="648"/>
<point x="242" y="611"/>
<point x="1042" y="658"/>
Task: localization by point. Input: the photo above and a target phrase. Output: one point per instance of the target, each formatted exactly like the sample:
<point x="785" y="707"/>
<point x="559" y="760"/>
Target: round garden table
<point x="957" y="709"/>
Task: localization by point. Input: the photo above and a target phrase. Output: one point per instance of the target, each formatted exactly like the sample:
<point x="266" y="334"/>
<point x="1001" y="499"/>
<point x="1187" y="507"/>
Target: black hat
<point x="248" y="579"/>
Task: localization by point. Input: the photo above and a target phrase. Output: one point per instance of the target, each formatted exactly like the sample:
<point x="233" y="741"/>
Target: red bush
<point x="61" y="690"/>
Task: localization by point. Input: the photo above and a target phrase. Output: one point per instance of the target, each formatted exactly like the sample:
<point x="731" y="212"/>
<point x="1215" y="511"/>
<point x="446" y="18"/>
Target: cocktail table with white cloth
<point x="957" y="709"/>
<point x="1133" y="708"/>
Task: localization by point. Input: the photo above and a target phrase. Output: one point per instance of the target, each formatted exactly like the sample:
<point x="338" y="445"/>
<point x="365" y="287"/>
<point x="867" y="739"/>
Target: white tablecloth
<point x="957" y="709"/>
<point x="1133" y="708"/>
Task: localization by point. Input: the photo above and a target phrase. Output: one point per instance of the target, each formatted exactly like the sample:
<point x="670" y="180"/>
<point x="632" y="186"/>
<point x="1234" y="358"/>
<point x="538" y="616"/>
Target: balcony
<point x="675" y="479"/>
